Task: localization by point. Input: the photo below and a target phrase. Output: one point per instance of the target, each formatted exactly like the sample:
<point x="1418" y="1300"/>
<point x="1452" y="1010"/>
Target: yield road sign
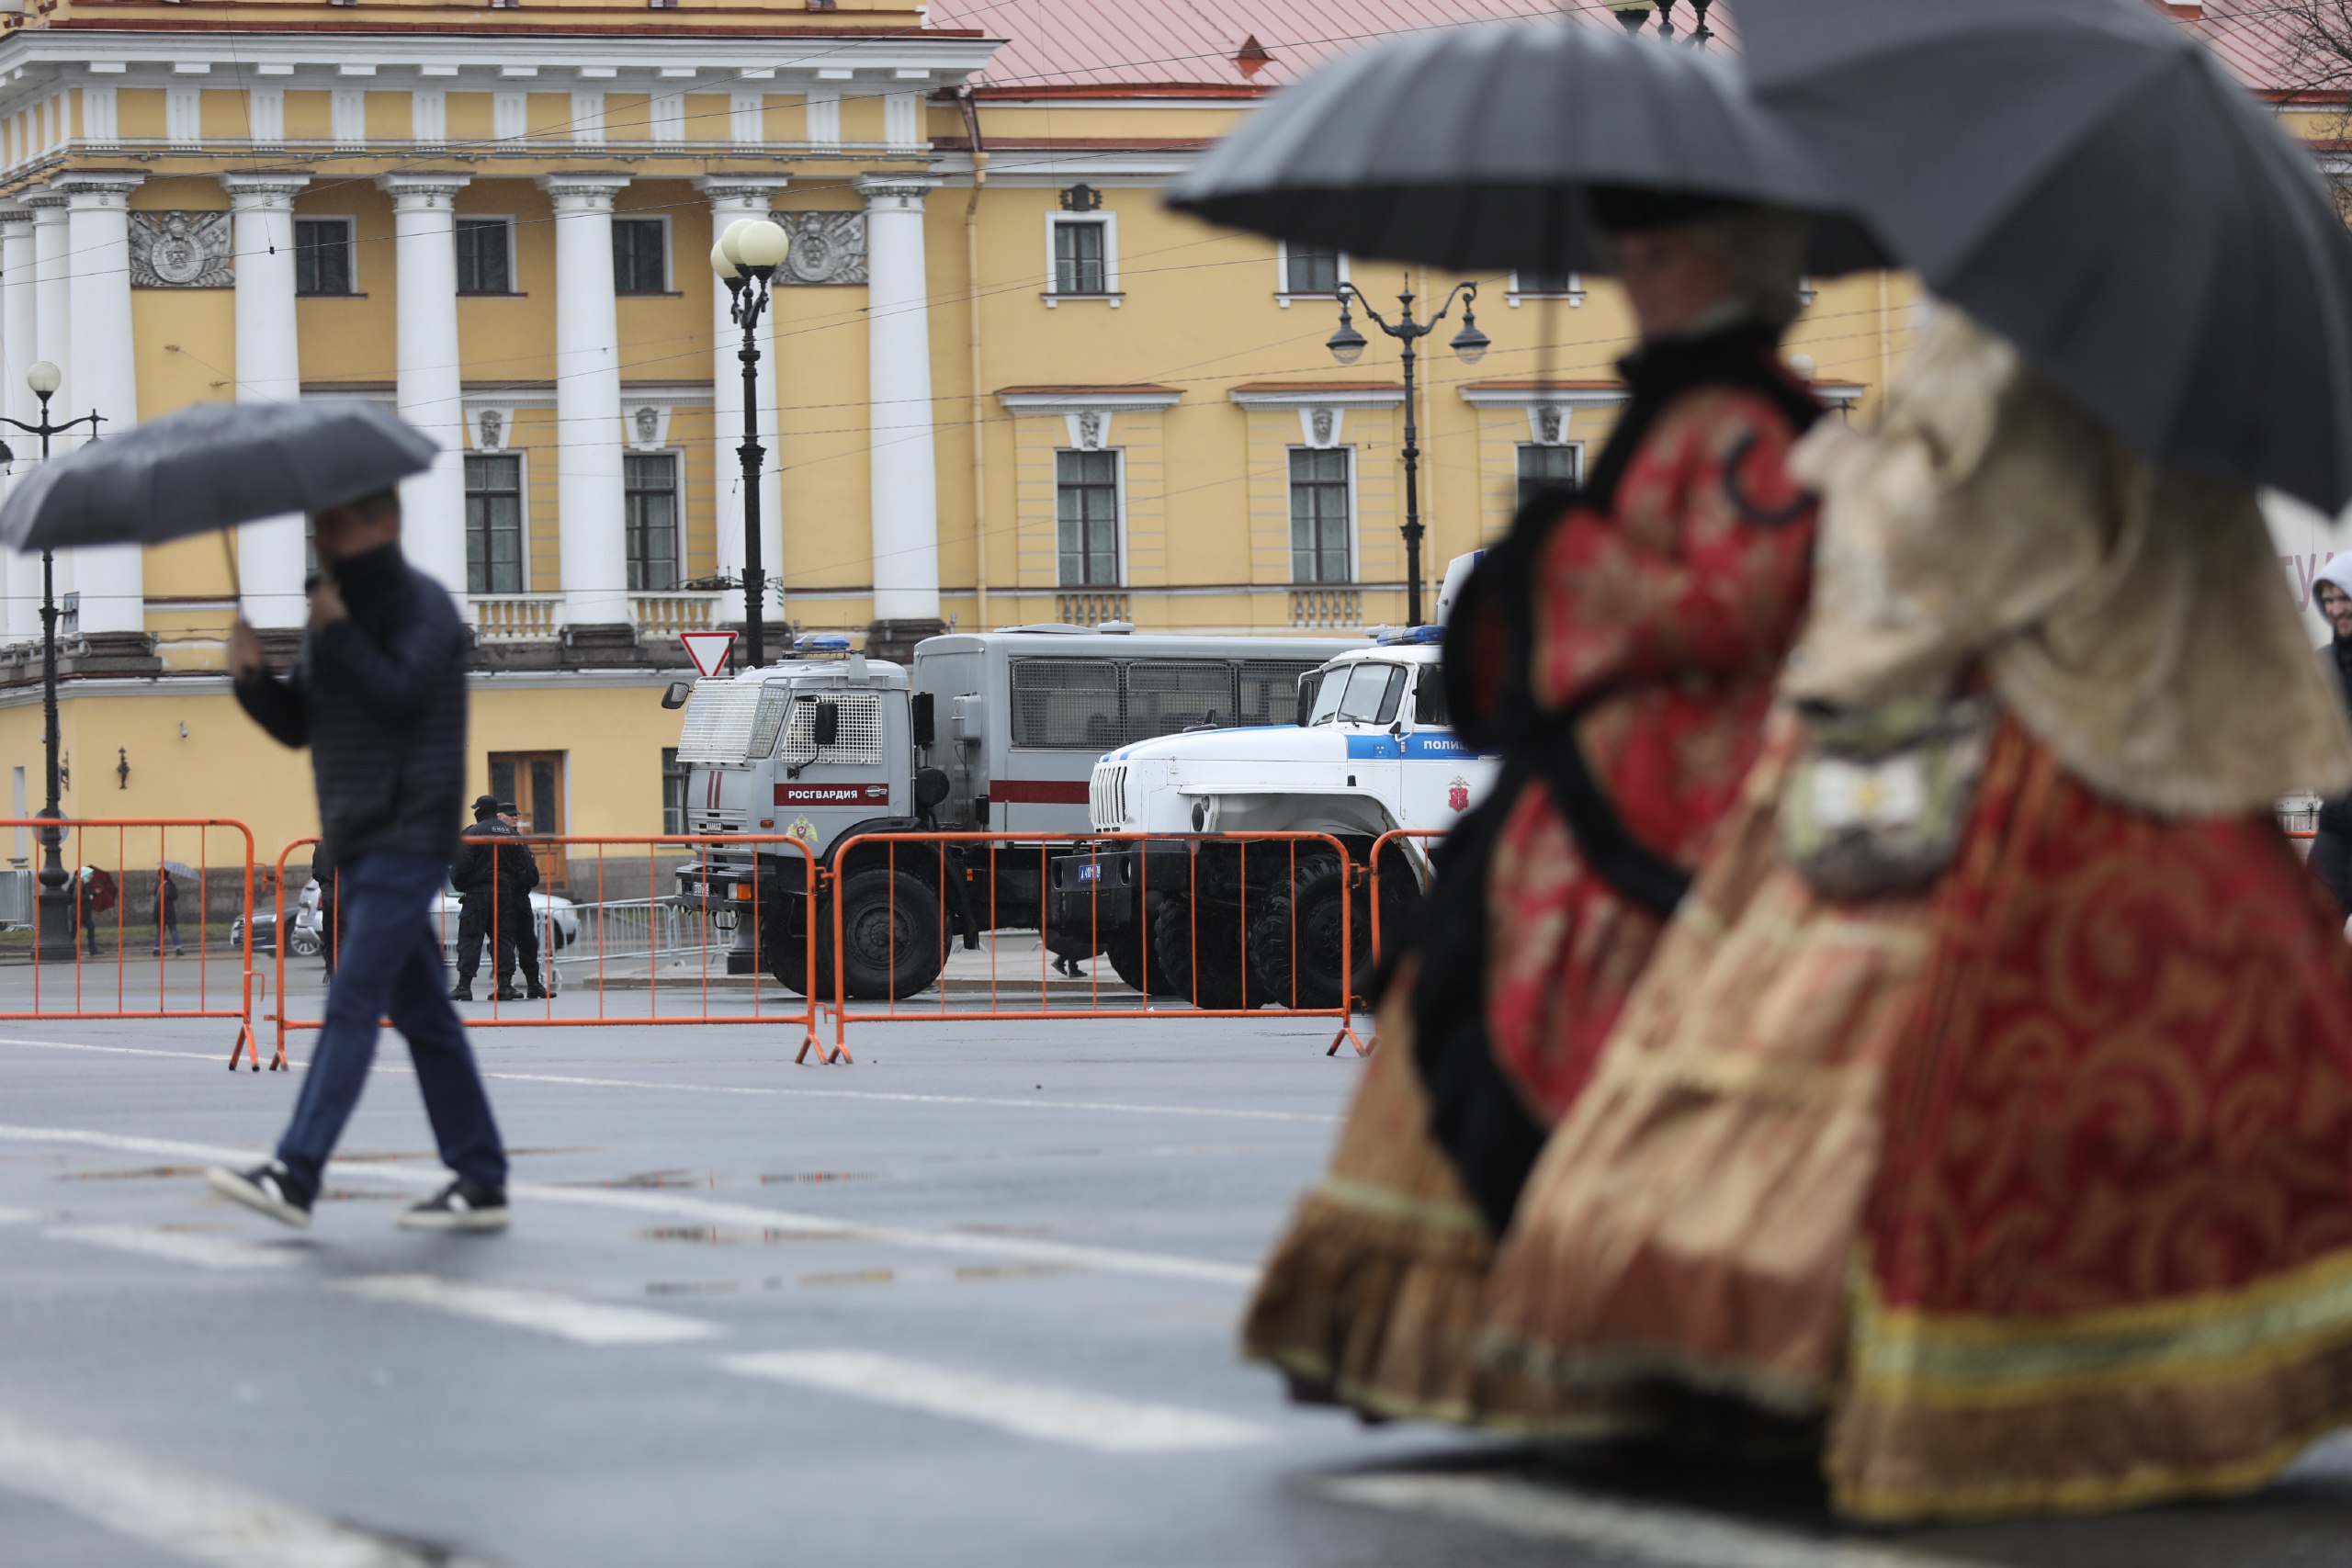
<point x="707" y="650"/>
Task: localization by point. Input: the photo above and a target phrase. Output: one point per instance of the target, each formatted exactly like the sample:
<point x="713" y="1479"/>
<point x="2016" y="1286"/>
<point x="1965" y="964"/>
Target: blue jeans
<point x="390" y="966"/>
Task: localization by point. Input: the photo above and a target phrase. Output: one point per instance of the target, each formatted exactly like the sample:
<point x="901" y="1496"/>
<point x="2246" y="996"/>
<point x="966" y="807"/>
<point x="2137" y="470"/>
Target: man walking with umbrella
<point x="379" y="695"/>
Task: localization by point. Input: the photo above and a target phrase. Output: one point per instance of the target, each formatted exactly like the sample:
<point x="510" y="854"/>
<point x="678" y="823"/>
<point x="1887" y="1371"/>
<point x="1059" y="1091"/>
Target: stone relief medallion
<point x="827" y="247"/>
<point x="180" y="250"/>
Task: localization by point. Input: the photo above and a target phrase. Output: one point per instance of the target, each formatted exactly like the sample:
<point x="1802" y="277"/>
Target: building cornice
<point x="1307" y="395"/>
<point x="1538" y="394"/>
<point x="1072" y="399"/>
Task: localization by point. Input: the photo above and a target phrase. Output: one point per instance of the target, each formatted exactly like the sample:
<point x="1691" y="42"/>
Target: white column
<point x="269" y="370"/>
<point x="427" y="386"/>
<point x="589" y="507"/>
<point x="19" y="346"/>
<point x="905" y="490"/>
<point x="111" y="579"/>
<point x="734" y="196"/>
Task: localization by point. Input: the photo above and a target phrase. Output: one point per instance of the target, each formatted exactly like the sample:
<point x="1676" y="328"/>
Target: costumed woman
<point x="1991" y="1095"/>
<point x="1619" y="648"/>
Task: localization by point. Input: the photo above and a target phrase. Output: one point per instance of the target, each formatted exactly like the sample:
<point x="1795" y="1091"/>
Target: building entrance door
<point x="534" y="782"/>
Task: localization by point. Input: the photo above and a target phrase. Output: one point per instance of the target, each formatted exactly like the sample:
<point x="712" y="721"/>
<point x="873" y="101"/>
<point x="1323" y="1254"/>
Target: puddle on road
<point x="1009" y="1270"/>
<point x="137" y="1173"/>
<point x="982" y="1228"/>
<point x="693" y="1288"/>
<point x="644" y="1179"/>
<point x="772" y="1178"/>
<point x="347" y="1195"/>
<point x="724" y="1235"/>
<point x="857" y="1276"/>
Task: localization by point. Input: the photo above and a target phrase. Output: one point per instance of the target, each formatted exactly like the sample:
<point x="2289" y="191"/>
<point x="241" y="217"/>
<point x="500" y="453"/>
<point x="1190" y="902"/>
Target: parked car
<point x="306" y="941"/>
<point x="558" y="919"/>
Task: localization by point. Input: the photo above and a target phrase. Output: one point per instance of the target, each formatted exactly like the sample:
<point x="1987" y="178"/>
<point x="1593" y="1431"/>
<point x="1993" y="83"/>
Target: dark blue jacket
<point x="380" y="701"/>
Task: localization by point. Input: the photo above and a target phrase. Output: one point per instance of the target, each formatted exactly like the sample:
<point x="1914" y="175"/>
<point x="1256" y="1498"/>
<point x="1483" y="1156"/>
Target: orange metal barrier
<point x="598" y="935"/>
<point x="926" y="857"/>
<point x="1420" y="876"/>
<point x="88" y="846"/>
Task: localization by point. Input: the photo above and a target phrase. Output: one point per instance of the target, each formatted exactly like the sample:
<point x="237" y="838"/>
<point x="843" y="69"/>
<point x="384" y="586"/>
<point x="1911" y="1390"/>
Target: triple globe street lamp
<point x="54" y="925"/>
<point x="1347" y="347"/>
<point x="745" y="259"/>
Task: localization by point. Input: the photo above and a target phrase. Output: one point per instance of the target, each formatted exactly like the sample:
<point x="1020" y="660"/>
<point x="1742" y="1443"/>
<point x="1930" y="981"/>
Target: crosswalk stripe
<point x="193" y="1515"/>
<point x="540" y="1312"/>
<point x="1663" y="1536"/>
<point x="178" y="1247"/>
<point x="1029" y="1410"/>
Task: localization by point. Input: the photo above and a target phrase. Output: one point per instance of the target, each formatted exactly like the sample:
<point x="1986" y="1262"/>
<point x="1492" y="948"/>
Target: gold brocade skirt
<point x="1371" y="1297"/>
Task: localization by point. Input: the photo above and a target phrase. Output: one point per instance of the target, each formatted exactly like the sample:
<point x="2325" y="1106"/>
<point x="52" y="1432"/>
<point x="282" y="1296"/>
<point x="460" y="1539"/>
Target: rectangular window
<point x="1081" y="257"/>
<point x="1538" y="282"/>
<point x="641" y="255"/>
<point x="650" y="484"/>
<point x="1309" y="269"/>
<point x="482" y="257"/>
<point x="674" y="791"/>
<point x="1320" y="524"/>
<point x="494" y="523"/>
<point x="1547" y="468"/>
<point x="1086" y="499"/>
<point x="323" y="255"/>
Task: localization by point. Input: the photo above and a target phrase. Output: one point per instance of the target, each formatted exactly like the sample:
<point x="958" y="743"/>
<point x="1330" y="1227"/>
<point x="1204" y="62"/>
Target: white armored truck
<point x="1369" y="751"/>
<point x="985" y="731"/>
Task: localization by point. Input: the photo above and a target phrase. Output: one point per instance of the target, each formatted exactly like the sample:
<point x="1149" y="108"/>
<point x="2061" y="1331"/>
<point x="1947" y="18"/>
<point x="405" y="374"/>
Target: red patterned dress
<point x="1654" y="612"/>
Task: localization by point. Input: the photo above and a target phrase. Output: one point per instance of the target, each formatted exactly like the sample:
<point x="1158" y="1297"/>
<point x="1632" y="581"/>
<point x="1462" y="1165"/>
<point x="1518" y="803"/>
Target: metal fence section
<point x="126" y="959"/>
<point x="615" y="943"/>
<point x="1290" y="903"/>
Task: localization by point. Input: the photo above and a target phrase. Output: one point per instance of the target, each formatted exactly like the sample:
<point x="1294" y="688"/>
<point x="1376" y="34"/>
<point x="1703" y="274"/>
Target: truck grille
<point x="1107" y="796"/>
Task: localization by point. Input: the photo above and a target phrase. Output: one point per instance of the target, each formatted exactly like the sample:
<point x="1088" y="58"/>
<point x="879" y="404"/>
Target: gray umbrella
<point x="1472" y="148"/>
<point x="2083" y="178"/>
<point x="212" y="466"/>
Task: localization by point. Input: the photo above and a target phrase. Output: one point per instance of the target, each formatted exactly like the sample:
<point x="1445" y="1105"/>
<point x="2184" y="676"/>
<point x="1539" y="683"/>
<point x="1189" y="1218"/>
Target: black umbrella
<point x="212" y="466"/>
<point x="2084" y="179"/>
<point x="1473" y="147"/>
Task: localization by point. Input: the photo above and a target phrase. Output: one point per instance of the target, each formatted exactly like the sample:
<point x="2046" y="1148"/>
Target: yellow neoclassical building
<point x="1000" y="383"/>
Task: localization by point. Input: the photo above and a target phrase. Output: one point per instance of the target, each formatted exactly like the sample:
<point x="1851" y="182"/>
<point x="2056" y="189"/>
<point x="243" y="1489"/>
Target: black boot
<point x="464" y="993"/>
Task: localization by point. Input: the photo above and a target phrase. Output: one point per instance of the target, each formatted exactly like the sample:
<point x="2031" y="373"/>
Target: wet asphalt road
<point x="970" y="1301"/>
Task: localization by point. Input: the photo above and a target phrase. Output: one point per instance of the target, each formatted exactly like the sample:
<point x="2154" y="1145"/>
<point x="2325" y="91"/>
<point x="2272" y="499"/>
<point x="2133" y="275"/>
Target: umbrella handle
<point x="229" y="554"/>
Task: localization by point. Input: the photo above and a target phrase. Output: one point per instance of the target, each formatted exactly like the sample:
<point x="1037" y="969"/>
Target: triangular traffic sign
<point x="709" y="650"/>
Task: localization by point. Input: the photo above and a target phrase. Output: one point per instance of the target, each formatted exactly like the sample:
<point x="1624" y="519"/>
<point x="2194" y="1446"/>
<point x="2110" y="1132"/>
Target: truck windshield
<point x="717" y="722"/>
<point x="1370" y="695"/>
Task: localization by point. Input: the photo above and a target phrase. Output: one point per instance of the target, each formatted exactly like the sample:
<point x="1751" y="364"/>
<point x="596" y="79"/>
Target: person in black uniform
<point x="475" y="874"/>
<point x="518" y="945"/>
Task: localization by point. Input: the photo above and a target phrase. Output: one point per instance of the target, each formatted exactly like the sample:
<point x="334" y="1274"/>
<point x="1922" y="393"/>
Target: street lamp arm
<point x="1466" y="291"/>
<point x="92" y="419"/>
<point x="1349" y="290"/>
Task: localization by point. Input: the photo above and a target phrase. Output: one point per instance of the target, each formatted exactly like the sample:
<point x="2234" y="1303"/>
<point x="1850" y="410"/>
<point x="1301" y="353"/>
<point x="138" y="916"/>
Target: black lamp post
<point x="745" y="259"/>
<point x="1347" y="347"/>
<point x="53" y="926"/>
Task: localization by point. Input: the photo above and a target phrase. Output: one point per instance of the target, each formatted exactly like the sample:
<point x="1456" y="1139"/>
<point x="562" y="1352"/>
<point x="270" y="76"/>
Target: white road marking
<point x="1101" y="1259"/>
<point x="178" y="1247"/>
<point x="1668" y="1537"/>
<point x="192" y="1515"/>
<point x="565" y="1317"/>
<point x="16" y="1216"/>
<point x="1029" y="1410"/>
<point x="1122" y="1108"/>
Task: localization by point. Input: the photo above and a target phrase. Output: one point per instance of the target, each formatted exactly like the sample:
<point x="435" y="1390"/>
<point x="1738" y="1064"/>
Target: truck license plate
<point x="1090" y="871"/>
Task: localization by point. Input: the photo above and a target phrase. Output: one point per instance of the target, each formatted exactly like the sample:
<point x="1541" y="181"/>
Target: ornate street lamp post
<point x="745" y="259"/>
<point x="1347" y="347"/>
<point x="54" y="928"/>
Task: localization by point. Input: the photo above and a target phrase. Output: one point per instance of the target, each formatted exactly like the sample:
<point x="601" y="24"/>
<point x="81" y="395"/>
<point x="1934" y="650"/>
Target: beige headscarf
<point x="2134" y="619"/>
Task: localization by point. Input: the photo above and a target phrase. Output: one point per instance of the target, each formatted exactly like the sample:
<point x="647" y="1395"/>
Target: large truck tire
<point x="1324" y="977"/>
<point x="1218" y="945"/>
<point x="892" y="942"/>
<point x="787" y="957"/>
<point x="1129" y="961"/>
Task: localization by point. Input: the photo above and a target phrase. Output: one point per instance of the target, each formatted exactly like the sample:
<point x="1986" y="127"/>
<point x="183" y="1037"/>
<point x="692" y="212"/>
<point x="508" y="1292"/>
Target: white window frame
<point x="669" y="260"/>
<point x="351" y="229"/>
<point x="1282" y="295"/>
<point x="1109" y="220"/>
<point x="522" y="456"/>
<point x="1573" y="294"/>
<point x="1119" y="499"/>
<point x="1355" y="516"/>
<point x="513" y="266"/>
<point x="677" y="456"/>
